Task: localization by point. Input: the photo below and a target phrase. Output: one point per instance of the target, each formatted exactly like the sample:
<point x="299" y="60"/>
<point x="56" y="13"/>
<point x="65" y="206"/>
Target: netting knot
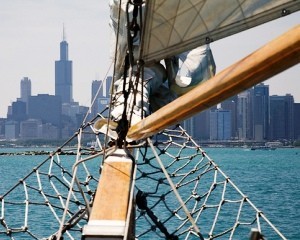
<point x="8" y="232"/>
<point x="198" y="198"/>
<point x="153" y="228"/>
<point x="162" y="151"/>
<point x="24" y="228"/>
<point x="141" y="200"/>
<point x="90" y="192"/>
<point x="161" y="180"/>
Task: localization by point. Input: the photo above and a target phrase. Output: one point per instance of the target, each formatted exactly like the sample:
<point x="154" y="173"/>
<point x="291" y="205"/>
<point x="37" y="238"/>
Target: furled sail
<point x="175" y="26"/>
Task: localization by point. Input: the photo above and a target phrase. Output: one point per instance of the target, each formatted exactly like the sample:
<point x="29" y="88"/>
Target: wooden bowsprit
<point x="112" y="215"/>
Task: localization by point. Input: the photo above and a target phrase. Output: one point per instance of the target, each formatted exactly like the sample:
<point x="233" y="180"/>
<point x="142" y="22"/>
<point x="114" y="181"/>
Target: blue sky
<point x="31" y="30"/>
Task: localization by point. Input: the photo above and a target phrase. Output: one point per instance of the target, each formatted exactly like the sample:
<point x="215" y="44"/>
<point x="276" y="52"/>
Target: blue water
<point x="270" y="179"/>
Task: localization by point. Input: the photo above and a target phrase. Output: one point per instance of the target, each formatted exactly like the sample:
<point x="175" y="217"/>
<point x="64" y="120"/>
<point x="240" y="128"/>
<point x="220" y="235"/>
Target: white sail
<point x="175" y="26"/>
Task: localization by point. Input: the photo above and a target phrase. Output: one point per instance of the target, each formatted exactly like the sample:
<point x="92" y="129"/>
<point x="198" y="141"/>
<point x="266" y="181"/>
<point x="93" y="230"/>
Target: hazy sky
<point x="31" y="30"/>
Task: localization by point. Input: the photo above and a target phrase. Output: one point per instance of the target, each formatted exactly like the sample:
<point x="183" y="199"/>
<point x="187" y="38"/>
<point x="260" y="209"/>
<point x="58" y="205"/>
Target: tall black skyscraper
<point x="63" y="74"/>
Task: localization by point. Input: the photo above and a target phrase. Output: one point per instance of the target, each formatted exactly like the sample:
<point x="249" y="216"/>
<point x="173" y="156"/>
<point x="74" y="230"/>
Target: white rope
<point x="26" y="205"/>
<point x="174" y="189"/>
<point x="71" y="186"/>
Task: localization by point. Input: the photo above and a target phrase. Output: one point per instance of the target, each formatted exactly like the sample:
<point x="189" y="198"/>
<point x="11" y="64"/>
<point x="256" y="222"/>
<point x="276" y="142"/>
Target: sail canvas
<point x="175" y="26"/>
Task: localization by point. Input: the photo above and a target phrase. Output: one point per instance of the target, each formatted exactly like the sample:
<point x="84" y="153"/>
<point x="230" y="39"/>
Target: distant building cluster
<point x="252" y="115"/>
<point x="51" y="117"/>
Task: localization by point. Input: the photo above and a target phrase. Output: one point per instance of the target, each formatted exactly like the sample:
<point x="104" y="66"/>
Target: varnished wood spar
<point x="111" y="203"/>
<point x="273" y="58"/>
<point x="112" y="194"/>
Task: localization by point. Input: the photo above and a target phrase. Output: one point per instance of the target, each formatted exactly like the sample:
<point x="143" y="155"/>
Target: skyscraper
<point x="282" y="117"/>
<point x="296" y="120"/>
<point x="260" y="110"/>
<point x="243" y="115"/>
<point x="63" y="74"/>
<point x="46" y="108"/>
<point x="220" y="124"/>
<point x="231" y="105"/>
<point x="25" y="89"/>
<point x="100" y="95"/>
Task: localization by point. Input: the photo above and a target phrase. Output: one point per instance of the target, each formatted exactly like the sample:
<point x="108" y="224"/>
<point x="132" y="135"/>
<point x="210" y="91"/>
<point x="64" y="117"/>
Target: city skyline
<point x="251" y="115"/>
<point x="30" y="37"/>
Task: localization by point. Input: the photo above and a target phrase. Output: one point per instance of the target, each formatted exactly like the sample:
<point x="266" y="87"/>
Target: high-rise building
<point x="260" y="111"/>
<point x="18" y="111"/>
<point x="30" y="128"/>
<point x="25" y="89"/>
<point x="220" y="124"/>
<point x="2" y="128"/>
<point x="296" y="120"/>
<point x="231" y="105"/>
<point x="63" y="74"/>
<point x="244" y="115"/>
<point x="201" y="123"/>
<point x="12" y="130"/>
<point x="100" y="95"/>
<point x="188" y="125"/>
<point x="282" y="117"/>
<point x="46" y="108"/>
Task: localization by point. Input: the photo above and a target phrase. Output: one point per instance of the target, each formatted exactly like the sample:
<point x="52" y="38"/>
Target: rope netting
<point x="180" y="193"/>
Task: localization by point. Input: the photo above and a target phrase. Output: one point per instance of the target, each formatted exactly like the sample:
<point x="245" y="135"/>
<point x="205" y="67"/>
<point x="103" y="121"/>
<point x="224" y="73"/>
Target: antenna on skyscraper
<point x="64" y="33"/>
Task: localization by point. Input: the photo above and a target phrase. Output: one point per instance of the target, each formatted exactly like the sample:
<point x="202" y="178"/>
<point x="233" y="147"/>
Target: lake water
<point x="271" y="180"/>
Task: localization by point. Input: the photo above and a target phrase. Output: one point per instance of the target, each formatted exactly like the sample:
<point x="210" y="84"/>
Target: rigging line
<point x="113" y="81"/>
<point x="26" y="205"/>
<point x="197" y="230"/>
<point x="134" y="28"/>
<point x="71" y="187"/>
<point x="116" y="45"/>
<point x="88" y="208"/>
